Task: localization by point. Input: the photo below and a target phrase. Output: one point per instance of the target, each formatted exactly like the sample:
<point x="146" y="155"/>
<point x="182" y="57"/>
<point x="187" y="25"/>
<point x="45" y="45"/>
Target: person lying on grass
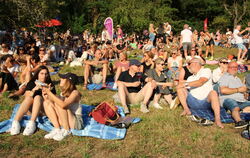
<point x="32" y="102"/>
<point x="64" y="111"/>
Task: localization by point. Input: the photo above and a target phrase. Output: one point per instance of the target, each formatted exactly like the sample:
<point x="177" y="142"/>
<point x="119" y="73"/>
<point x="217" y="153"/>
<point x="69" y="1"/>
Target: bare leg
<point x="244" y="54"/>
<point x="24" y="107"/>
<point x="168" y="98"/>
<point x="214" y="100"/>
<point x="122" y="92"/>
<point x="207" y="48"/>
<point x="239" y="54"/>
<point x="185" y="53"/>
<point x="118" y="72"/>
<point x="147" y="92"/>
<point x="50" y="111"/>
<point x="236" y="114"/>
<point x="104" y="73"/>
<point x="212" y="50"/>
<point x="63" y="115"/>
<point x="156" y="98"/>
<point x="86" y="73"/>
<point x="37" y="104"/>
<point x="182" y="94"/>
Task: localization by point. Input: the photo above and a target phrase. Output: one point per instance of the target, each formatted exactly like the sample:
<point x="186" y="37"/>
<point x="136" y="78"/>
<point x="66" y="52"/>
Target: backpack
<point x="105" y="113"/>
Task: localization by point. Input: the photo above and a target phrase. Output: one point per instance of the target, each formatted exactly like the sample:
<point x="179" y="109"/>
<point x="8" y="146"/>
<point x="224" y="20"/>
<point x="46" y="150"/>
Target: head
<point x="134" y="65"/>
<point x="5" y="47"/>
<point x="186" y="26"/>
<point x="20" y="50"/>
<point x="223" y="62"/>
<point x="159" y="64"/>
<point x="35" y="59"/>
<point x="68" y="83"/>
<point x="42" y="74"/>
<point x="238" y="27"/>
<point x="123" y="56"/>
<point x="195" y="65"/>
<point x="174" y="53"/>
<point x="232" y="68"/>
<point x="148" y="55"/>
<point x="98" y="54"/>
<point x="151" y="25"/>
<point x="42" y="50"/>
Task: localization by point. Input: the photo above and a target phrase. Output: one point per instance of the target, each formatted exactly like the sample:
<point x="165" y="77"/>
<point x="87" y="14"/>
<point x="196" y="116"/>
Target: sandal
<point x="206" y="122"/>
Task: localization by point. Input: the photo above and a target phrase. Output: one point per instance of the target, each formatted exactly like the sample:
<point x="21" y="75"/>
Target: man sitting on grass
<point x="98" y="65"/>
<point x="232" y="94"/>
<point x="130" y="88"/>
<point x="197" y="92"/>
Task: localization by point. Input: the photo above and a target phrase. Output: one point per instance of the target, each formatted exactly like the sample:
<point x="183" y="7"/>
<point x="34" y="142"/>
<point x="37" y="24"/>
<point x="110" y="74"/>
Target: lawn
<point x="161" y="133"/>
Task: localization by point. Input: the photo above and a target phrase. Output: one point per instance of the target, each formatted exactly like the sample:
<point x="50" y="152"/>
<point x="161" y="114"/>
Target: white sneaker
<point x="30" y="128"/>
<point x="52" y="133"/>
<point x="157" y="106"/>
<point x="174" y="103"/>
<point x="115" y="86"/>
<point x="144" y="108"/>
<point x="61" y="134"/>
<point x="15" y="128"/>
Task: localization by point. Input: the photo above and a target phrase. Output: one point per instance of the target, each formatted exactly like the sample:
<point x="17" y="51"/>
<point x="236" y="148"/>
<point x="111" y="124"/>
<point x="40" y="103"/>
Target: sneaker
<point x="52" y="133"/>
<point x="241" y="124"/>
<point x="174" y="103"/>
<point x="115" y="86"/>
<point x="30" y="128"/>
<point x="15" y="128"/>
<point x="206" y="122"/>
<point x="61" y="134"/>
<point x="157" y="106"/>
<point x="144" y="108"/>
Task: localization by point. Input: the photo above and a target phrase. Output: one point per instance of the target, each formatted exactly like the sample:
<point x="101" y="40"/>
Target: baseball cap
<point x="134" y="62"/>
<point x="70" y="76"/>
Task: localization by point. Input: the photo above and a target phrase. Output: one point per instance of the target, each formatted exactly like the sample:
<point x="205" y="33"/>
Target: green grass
<point x="161" y="133"/>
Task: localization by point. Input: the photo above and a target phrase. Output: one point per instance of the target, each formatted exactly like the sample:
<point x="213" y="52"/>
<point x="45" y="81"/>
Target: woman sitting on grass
<point x="64" y="111"/>
<point x="33" y="101"/>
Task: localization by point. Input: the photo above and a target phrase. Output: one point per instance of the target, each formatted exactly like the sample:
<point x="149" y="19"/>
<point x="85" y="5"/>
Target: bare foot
<point x="219" y="124"/>
<point x="185" y="112"/>
<point x="104" y="85"/>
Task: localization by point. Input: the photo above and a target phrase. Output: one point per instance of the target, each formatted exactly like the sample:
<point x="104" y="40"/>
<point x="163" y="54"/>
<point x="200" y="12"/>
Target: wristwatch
<point x="186" y="85"/>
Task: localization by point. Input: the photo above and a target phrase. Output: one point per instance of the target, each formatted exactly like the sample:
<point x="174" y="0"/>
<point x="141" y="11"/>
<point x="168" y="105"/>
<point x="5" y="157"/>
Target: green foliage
<point x="221" y="22"/>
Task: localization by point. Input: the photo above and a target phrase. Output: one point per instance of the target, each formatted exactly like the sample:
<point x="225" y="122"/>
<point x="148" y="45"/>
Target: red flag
<point x="205" y="24"/>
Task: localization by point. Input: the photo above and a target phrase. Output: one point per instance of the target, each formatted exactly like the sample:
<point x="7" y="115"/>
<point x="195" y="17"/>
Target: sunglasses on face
<point x="162" y="64"/>
<point x="224" y="62"/>
<point x="41" y="50"/>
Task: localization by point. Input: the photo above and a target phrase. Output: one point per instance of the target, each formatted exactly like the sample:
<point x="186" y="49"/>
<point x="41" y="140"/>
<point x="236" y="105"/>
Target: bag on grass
<point x="105" y="113"/>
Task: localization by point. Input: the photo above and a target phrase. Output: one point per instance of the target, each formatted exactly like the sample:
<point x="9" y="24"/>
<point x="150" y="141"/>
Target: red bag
<point x="105" y="113"/>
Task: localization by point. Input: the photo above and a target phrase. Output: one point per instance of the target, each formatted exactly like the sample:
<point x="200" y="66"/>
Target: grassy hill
<point x="161" y="133"/>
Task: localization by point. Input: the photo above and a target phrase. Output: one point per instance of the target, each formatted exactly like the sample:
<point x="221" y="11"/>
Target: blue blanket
<point x="225" y="117"/>
<point x="91" y="129"/>
<point x="95" y="86"/>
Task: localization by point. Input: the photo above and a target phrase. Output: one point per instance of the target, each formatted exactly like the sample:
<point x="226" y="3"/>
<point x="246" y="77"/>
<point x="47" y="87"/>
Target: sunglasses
<point x="41" y="50"/>
<point x="162" y="64"/>
<point x="224" y="62"/>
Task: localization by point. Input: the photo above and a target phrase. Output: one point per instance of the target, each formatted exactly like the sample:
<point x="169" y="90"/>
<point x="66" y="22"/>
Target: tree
<point x="236" y="9"/>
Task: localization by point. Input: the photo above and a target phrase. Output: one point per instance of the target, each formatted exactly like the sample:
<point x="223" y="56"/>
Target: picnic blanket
<point x="91" y="129"/>
<point x="225" y="117"/>
<point x="94" y="86"/>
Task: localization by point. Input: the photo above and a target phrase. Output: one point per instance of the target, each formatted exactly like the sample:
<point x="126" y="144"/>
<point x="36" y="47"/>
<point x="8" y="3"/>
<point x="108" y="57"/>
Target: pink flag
<point x="108" y="23"/>
<point x="205" y="24"/>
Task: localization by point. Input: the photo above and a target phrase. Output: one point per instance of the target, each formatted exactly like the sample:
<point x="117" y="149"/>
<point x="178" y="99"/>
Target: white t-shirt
<point x="201" y="92"/>
<point x="13" y="69"/>
<point x="237" y="38"/>
<point x="10" y="52"/>
<point x="175" y="62"/>
<point x="186" y="35"/>
<point x="168" y="29"/>
<point x="217" y="73"/>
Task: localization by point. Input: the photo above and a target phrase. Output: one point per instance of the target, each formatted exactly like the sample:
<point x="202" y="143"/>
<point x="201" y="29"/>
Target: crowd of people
<point x="145" y="68"/>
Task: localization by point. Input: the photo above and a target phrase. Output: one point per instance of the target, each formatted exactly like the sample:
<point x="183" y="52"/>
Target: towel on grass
<point x="94" y="86"/>
<point x="91" y="129"/>
<point x="225" y="117"/>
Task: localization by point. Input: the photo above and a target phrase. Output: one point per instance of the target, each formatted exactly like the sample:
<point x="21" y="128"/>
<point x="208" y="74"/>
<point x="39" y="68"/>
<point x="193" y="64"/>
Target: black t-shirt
<point x="126" y="77"/>
<point x="120" y="46"/>
<point x="32" y="85"/>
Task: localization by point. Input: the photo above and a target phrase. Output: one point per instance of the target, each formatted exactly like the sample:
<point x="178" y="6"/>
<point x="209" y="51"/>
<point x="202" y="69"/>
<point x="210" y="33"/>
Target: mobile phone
<point x="41" y="83"/>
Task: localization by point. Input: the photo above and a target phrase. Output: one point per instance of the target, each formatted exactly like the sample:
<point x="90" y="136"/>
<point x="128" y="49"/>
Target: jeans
<point x="230" y="104"/>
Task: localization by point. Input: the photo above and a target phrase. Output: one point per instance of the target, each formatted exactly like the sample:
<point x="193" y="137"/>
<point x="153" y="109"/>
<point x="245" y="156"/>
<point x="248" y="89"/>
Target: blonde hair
<point x="68" y="88"/>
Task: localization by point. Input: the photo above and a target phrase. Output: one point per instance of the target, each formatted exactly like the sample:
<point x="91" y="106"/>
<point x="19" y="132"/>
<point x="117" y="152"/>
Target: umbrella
<point x="49" y="23"/>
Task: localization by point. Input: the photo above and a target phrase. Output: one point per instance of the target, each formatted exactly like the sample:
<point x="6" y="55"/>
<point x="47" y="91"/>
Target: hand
<point x="180" y="85"/>
<point x="242" y="89"/>
<point x="153" y="84"/>
<point x="136" y="84"/>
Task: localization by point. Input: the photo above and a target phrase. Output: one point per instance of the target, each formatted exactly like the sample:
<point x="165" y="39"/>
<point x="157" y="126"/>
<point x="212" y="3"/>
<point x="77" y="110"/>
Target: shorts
<point x="209" y="43"/>
<point x="197" y="104"/>
<point x="78" y="122"/>
<point x="241" y="46"/>
<point x="187" y="45"/>
<point x="134" y="98"/>
<point x="230" y="104"/>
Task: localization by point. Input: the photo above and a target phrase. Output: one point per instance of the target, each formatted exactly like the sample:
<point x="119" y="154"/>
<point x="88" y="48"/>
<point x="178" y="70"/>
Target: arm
<point x="225" y="90"/>
<point x="63" y="104"/>
<point x="128" y="84"/>
<point x="197" y="83"/>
